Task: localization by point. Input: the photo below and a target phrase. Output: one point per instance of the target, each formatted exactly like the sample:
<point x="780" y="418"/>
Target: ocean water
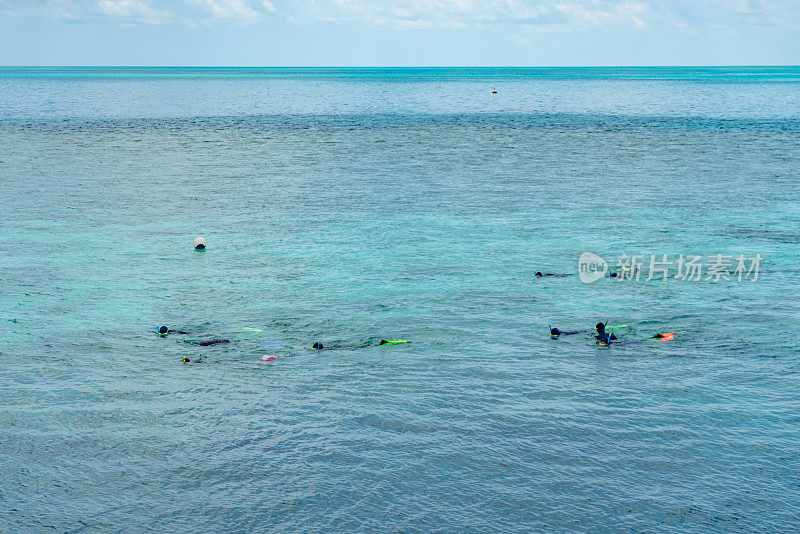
<point x="351" y="205"/>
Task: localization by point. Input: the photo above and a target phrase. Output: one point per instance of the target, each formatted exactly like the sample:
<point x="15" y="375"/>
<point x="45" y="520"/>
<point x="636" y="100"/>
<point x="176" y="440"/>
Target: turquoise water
<point x="352" y="205"/>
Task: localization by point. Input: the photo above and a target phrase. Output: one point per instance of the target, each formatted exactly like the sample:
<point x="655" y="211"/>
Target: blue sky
<point x="411" y="32"/>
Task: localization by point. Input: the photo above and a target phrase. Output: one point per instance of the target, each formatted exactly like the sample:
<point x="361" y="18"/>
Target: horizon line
<point x="403" y="66"/>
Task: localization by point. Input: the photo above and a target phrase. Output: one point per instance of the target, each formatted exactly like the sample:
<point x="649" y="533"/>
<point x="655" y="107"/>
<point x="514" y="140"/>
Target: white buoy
<point x="199" y="243"/>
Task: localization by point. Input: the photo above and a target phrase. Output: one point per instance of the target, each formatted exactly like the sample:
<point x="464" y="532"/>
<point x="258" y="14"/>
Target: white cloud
<point x="459" y="13"/>
<point x="132" y="10"/>
<point x="563" y="15"/>
<point x="608" y="15"/>
<point x="230" y="9"/>
<point x="57" y="9"/>
<point x="141" y="11"/>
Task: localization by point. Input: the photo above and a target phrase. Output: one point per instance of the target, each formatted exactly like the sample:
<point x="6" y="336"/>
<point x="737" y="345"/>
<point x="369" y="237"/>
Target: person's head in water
<point x="317" y="346"/>
<point x="537" y="274"/>
<point x="554" y="333"/>
<point x="383" y="342"/>
<point x="601" y="328"/>
<point x="163" y="330"/>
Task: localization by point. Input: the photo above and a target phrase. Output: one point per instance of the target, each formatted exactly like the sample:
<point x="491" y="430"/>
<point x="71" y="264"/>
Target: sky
<point x="399" y="33"/>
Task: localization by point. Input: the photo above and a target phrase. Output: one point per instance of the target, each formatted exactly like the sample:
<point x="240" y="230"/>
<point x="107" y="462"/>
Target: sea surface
<point x="346" y="206"/>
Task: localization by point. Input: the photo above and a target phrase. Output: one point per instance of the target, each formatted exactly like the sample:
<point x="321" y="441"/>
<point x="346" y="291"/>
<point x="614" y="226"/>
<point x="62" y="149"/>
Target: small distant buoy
<point x="494" y="91"/>
<point x="199" y="243"/>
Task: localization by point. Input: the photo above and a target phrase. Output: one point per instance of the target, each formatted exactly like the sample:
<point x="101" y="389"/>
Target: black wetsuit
<point x="557" y="332"/>
<point x="208" y="342"/>
<point x="602" y="336"/>
<point x="320" y="346"/>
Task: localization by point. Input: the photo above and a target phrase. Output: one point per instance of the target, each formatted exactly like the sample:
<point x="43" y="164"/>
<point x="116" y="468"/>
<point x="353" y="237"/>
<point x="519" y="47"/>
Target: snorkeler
<point x="600" y="328"/>
<point x="626" y="273"/>
<point x="319" y="346"/>
<point x="539" y="274"/>
<point x="208" y="342"/>
<point x="163" y="330"/>
<point x="555" y="332"/>
<point x="267" y="358"/>
<point x="601" y="332"/>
